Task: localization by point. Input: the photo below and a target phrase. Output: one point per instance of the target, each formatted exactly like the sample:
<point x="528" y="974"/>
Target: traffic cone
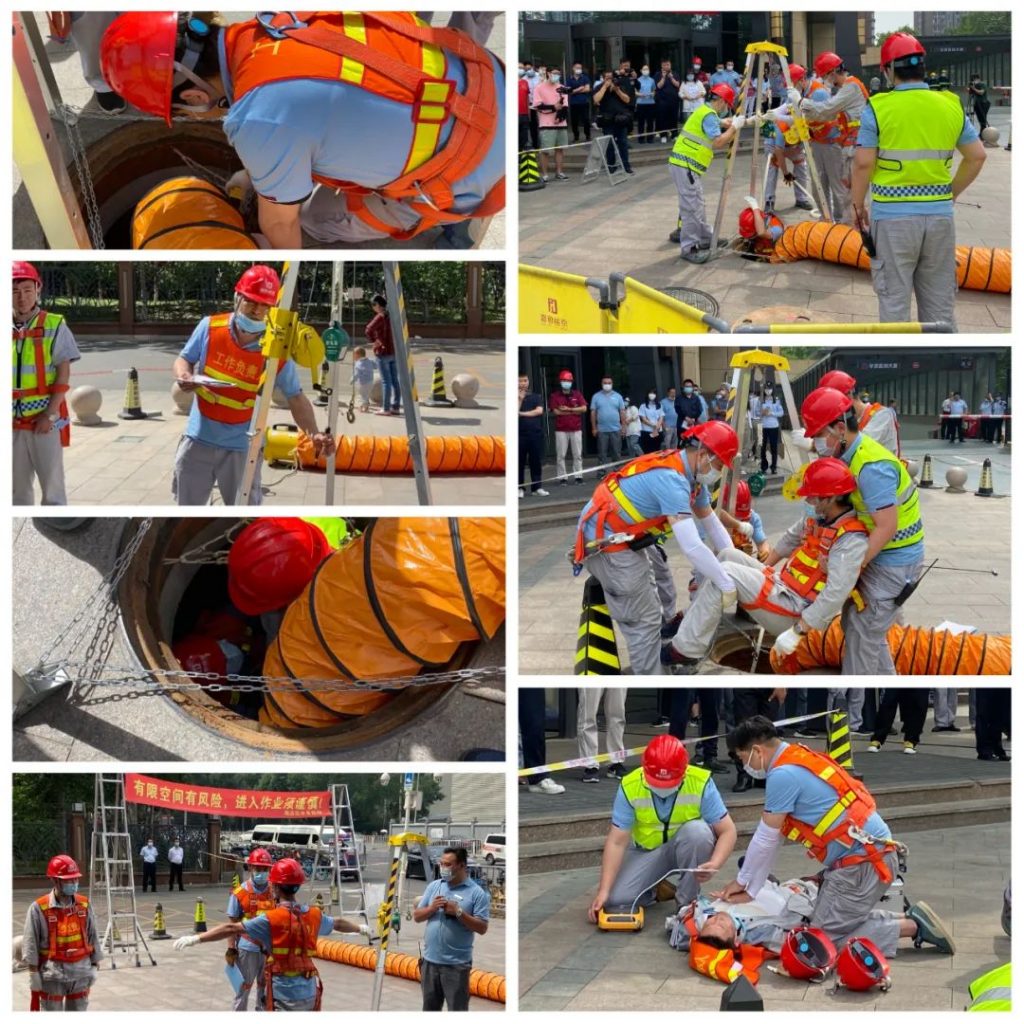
<point x="132" y="402"/>
<point x="159" y="932"/>
<point x="235" y="881"/>
<point x="596" y="650"/>
<point x="839" y="747"/>
<point x="200" y="916"/>
<point x="985" y="486"/>
<point x="437" y="396"/>
<point x="529" y="172"/>
<point x="926" y="473"/>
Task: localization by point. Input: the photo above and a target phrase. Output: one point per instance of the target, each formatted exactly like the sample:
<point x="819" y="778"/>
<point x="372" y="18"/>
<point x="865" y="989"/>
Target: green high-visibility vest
<point x="334" y="529"/>
<point x="991" y="992"/>
<point x="649" y="831"/>
<point x="918" y="131"/>
<point x="693" y="149"/>
<point x="31" y="394"/>
<point x="909" y="527"/>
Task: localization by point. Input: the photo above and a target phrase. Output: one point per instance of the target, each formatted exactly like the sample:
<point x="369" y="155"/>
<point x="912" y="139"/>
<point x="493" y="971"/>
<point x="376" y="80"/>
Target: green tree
<point x="47" y="797"/>
<point x="881" y="37"/>
<point x="983" y="23"/>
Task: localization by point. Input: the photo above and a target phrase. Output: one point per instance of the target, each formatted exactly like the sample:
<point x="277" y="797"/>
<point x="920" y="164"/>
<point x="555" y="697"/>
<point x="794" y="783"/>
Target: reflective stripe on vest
<point x="33" y="369"/>
<point x="918" y="133"/>
<point x="802" y="573"/>
<point x="67" y="929"/>
<point x="909" y="527"/>
<point x="649" y="831"/>
<point x="693" y="149"/>
<point x="252" y="902"/>
<point x="293" y="937"/>
<point x="992" y="991"/>
<point x="228" y="361"/>
<point x="849" y="125"/>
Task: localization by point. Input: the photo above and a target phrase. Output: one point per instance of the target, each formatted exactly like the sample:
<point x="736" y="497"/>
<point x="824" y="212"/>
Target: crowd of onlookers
<point x="993" y="419"/>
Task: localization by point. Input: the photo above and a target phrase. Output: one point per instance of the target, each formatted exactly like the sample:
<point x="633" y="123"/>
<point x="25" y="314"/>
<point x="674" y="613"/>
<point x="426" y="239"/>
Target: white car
<point x="493" y="849"/>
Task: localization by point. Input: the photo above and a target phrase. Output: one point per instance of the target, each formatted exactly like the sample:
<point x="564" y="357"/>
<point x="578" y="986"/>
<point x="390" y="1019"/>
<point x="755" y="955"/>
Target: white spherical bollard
<point x="956" y="478"/>
<point x="913" y="468"/>
<point x="85" y="402"/>
<point x="182" y="400"/>
<point x="464" y="388"/>
<point x="990" y="136"/>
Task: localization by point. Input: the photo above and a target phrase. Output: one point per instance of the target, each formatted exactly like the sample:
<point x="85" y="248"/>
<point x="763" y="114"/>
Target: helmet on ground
<point x="724" y="92"/>
<point x="259" y="284"/>
<point x="902" y="47"/>
<point x="62" y="867"/>
<point x="825" y="478"/>
<point x="258" y="857"/>
<point x="742" y="499"/>
<point x="719" y="439"/>
<point x="861" y="966"/>
<point x="827" y="62"/>
<point x="664" y="762"/>
<point x="565" y="375"/>
<point x="822" y="407"/>
<point x="839" y="380"/>
<point x="199" y="653"/>
<point x="24" y="271"/>
<point x="807" y="954"/>
<point x="271" y="561"/>
<point x="797" y="73"/>
<point x="137" y="59"/>
<point x="287" y="871"/>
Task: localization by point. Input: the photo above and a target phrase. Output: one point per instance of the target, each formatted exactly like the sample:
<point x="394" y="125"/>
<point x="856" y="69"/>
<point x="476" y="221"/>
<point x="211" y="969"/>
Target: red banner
<point x="183" y="796"/>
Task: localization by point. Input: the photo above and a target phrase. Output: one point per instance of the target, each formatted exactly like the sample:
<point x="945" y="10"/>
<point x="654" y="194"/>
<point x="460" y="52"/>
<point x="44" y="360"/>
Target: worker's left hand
<point x="706" y="871"/>
<point x="185" y="941"/>
<point x="747" y="529"/>
<point x="43" y="424"/>
<point x="323" y="444"/>
<point x="752" y="202"/>
<point x="794" y="97"/>
<point x="763" y="551"/>
<point x="786" y="643"/>
<point x="739" y="121"/>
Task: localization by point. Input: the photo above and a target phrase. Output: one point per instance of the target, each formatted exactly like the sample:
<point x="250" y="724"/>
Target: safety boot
<point x="668" y="629"/>
<point x="930" y="928"/>
<point x="674" y="237"/>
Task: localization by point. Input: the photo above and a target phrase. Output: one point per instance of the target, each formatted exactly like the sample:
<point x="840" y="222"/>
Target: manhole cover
<point x="703" y="301"/>
<point x="129" y="439"/>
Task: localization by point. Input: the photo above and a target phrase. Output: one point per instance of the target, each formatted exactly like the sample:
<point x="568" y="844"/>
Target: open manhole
<point x="128" y="162"/>
<point x="737" y="653"/>
<point x="161" y="601"/>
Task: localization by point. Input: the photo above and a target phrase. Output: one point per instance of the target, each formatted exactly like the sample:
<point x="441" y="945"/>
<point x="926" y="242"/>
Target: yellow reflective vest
<point x="909" y="527"/>
<point x="649" y="831"/>
<point x="693" y="149"/>
<point x="33" y="371"/>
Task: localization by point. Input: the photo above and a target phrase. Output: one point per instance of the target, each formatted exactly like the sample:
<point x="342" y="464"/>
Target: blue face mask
<point x="259" y="878"/>
<point x="687" y="391"/>
<point x="249" y="325"/>
<point x="446" y="874"/>
<point x="69" y="888"/>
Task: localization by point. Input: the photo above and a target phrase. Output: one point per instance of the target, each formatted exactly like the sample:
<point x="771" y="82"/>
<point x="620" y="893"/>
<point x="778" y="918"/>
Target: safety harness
<point x="271" y="49"/>
<point x="253" y="903"/>
<point x="35" y="379"/>
<point x="849" y="128"/>
<point x="293" y="935"/>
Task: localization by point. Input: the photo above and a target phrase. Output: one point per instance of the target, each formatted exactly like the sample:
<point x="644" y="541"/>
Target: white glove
<point x="739" y="121"/>
<point x="238" y="184"/>
<point x="793" y="95"/>
<point x="747" y="529"/>
<point x="771" y="115"/>
<point x="752" y="202"/>
<point x="364" y="929"/>
<point x="800" y="439"/>
<point x="729" y="599"/>
<point x="786" y="643"/>
<point x="185" y="941"/>
<point x="36" y="982"/>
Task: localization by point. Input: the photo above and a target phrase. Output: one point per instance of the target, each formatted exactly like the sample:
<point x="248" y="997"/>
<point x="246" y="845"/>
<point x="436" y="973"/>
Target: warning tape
<point x="621" y="755"/>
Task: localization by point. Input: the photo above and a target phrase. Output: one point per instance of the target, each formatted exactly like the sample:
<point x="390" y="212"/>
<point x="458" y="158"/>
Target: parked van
<point x="304" y="842"/>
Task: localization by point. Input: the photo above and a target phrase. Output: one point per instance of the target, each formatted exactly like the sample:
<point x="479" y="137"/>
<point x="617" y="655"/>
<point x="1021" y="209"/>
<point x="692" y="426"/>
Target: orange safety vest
<point x="725" y="965"/>
<point x="853" y="806"/>
<point x="611" y="508"/>
<point x="397" y="56"/>
<point x="253" y="902"/>
<point x="821" y="131"/>
<point x="293" y="936"/>
<point x="226" y="360"/>
<point x="848" y="130"/>
<point x="68" y="930"/>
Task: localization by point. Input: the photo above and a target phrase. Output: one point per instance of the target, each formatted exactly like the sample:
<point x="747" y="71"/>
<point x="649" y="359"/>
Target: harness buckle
<point x="266" y="18"/>
<point x="432" y="101"/>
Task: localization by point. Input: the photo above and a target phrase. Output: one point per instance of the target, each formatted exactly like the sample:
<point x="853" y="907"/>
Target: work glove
<point x="770" y="115"/>
<point x="788" y="178"/>
<point x="752" y="202"/>
<point x="364" y="929"/>
<point x="739" y="121"/>
<point x="231" y="956"/>
<point x="729" y="599"/>
<point x="800" y="439"/>
<point x="185" y="941"/>
<point x="36" y="982"/>
<point x="794" y="97"/>
<point x="747" y="529"/>
<point x="786" y="643"/>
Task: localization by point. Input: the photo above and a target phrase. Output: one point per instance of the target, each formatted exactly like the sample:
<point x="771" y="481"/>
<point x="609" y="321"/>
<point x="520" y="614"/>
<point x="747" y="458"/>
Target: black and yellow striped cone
<point x="985" y="486"/>
<point x="437" y="396"/>
<point x="596" y="651"/>
<point x="159" y="931"/>
<point x="235" y="881"/>
<point x="199" y="921"/>
<point x="132" y="401"/>
<point x="926" y="473"/>
<point x="529" y="172"/>
<point x="840" y="748"/>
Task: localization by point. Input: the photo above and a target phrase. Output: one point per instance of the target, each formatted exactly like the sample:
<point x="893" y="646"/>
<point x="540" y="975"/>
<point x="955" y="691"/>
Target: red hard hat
<point x="697" y="62"/>
<point x="664" y="761"/>
<point x="198" y="653"/>
<point x="807" y="954"/>
<point x="271" y="562"/>
<point x="259" y="857"/>
<point x="24" y="271"/>
<point x="287" y="871"/>
<point x="62" y="866"/>
<point x="861" y="966"/>
<point x="747" y="226"/>
<point x="797" y="73"/>
<point x="742" y="499"/>
<point x="826" y="62"/>
<point x="565" y="375"/>
<point x="822" y="407"/>
<point x="839" y="380"/>
<point x="225" y="624"/>
<point x="718" y="437"/>
<point x="137" y="59"/>
<point x="900" y="45"/>
<point x="725" y="92"/>
<point x="260" y="284"/>
<point x="825" y="478"/>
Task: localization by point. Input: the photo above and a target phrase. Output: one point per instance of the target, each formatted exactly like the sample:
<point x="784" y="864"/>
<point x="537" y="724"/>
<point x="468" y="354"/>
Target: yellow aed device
<point x="282" y="439"/>
<point x="620" y="919"/>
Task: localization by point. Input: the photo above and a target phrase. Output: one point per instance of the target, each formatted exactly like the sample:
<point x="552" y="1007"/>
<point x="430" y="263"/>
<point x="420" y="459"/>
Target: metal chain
<point x="202" y="170"/>
<point x="205" y="553"/>
<point x="70" y="117"/>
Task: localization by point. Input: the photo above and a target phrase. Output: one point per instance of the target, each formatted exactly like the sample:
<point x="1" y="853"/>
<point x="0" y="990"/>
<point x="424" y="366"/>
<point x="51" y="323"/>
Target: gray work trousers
<point x="444" y="983"/>
<point x="64" y="988"/>
<point x="697" y="630"/>
<point x="37" y="455"/>
<point x="663" y="582"/>
<point x="867" y="648"/>
<point x="587" y="739"/>
<point x="251" y="963"/>
<point x="831" y="167"/>
<point x="668" y="438"/>
<point x="694" y="229"/>
<point x="641" y="869"/>
<point x="198" y="467"/>
<point x="609" y="446"/>
<point x="87" y="30"/>
<point x="566" y="440"/>
<point x="915" y="256"/>
<point x="846" y="906"/>
<point x="632" y="600"/>
<point x="795" y="155"/>
<point x="945" y="705"/>
<point x="850" y="700"/>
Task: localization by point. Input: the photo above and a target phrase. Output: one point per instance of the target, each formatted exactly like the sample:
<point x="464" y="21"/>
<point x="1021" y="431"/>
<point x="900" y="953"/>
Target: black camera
<point x="564" y="90"/>
<point x="562" y="115"/>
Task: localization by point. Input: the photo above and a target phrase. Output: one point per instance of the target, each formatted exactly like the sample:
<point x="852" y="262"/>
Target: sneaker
<point x="804" y="206"/>
<point x="874" y="747"/>
<point x="616" y="771"/>
<point x="578" y="480"/>
<point x="804" y="734"/>
<point x="722" y="243"/>
<point x="678" y="664"/>
<point x="717" y="767"/>
<point x="522" y="493"/>
<point x="669" y="629"/>
<point x="944" y="728"/>
<point x="563" y="483"/>
<point x="544" y="178"/>
<point x="541" y="493"/>
<point x="930" y="928"/>
<point x="561" y="177"/>
<point x="110" y="102"/>
<point x="591" y="775"/>
<point x="629" y="170"/>
<point x="546" y="786"/>
<point x="860" y="733"/>
<point x="909" y="748"/>
<point x="695" y="255"/>
<point x="674" y="237"/>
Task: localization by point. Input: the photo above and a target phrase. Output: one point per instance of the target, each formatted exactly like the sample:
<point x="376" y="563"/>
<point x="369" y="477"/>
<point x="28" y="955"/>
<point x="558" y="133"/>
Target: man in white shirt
<point x="149" y="854"/>
<point x="176" y="856"/>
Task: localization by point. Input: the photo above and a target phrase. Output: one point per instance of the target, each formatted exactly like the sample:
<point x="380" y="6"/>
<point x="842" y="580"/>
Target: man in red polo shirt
<point x="568" y="406"/>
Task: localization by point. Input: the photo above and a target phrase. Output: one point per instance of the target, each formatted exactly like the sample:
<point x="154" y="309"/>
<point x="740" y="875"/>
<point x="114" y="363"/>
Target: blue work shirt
<point x="235" y="910"/>
<point x="644" y="90"/>
<point x="668" y="410"/>
<point x="733" y="78"/>
<point x="296" y="989"/>
<point x="232" y="436"/>
<point x="607" y="406"/>
<point x="447" y="940"/>
<point x="867" y="137"/>
<point x="285" y="131"/>
<point x="771" y="410"/>
<point x="712" y="807"/>
<point x="719" y="78"/>
<point x="712" y="126"/>
<point x="790" y="789"/>
<point x="958" y="407"/>
<point x="878" y="484"/>
<point x="579" y="99"/>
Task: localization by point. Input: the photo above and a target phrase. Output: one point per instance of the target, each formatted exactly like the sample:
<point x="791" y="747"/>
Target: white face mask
<point x="606" y="387"/>
<point x="651" y="398"/>
<point x="577" y="71"/>
<point x="567" y="385"/>
<point x="663" y="792"/>
<point x="556" y="78"/>
<point x="708" y="476"/>
<point x="689" y="78"/>
<point x="754" y="773"/>
<point x="822" y="447"/>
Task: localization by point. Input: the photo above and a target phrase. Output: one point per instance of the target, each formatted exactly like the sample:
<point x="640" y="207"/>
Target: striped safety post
<point x="840" y="749"/>
<point x="596" y="651"/>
